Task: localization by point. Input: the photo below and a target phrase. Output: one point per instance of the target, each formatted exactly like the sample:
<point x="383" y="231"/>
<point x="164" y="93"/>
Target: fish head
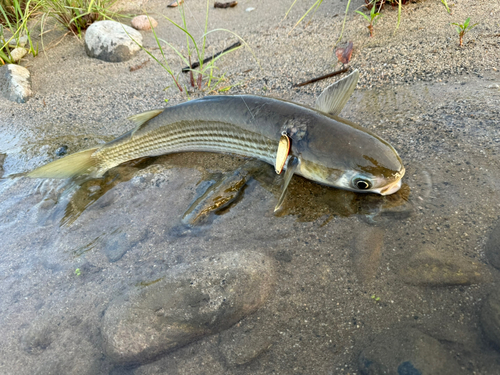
<point x="350" y="158"/>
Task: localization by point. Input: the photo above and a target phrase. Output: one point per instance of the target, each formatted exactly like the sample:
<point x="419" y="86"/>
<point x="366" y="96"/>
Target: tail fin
<point x="73" y="165"/>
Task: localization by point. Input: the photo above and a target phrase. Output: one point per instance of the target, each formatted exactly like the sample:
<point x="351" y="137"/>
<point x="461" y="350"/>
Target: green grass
<point x="373" y="3"/>
<point x="205" y="74"/>
<point x="16" y="19"/>
<point x="77" y="15"/>
<point x="14" y="25"/>
<point x="462" y="29"/>
<point x="371" y="19"/>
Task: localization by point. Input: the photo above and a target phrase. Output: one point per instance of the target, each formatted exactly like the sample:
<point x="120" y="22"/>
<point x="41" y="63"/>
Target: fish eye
<point x="361" y="183"/>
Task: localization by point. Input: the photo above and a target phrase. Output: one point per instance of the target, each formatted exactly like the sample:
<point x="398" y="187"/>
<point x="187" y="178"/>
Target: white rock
<point x="112" y="41"/>
<point x="18" y="53"/>
<point x="143" y="22"/>
<point x="15" y="83"/>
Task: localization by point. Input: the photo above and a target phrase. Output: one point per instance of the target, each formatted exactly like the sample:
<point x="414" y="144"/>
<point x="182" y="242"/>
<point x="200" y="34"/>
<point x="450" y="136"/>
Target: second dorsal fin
<point x="141" y="118"/>
<point x="335" y="96"/>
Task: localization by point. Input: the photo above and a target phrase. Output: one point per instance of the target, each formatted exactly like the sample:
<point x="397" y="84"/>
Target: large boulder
<point x="190" y="302"/>
<point x="112" y="41"/>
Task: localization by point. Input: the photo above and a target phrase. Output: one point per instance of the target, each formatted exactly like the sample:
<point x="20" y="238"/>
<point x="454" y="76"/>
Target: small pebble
<point x="249" y="9"/>
<point x="175" y="4"/>
<point x="143" y="22"/>
<point x="61" y="151"/>
<point x="18" y="53"/>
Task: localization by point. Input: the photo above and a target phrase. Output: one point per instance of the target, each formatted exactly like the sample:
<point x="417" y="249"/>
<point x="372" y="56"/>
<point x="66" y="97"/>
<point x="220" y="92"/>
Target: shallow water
<point x="348" y="283"/>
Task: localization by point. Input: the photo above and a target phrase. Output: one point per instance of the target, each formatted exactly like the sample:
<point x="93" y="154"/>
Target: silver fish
<point x="323" y="147"/>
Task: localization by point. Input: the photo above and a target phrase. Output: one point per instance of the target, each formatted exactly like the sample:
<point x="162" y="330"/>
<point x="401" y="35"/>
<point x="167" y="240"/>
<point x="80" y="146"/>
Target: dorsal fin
<point x="141" y="118"/>
<point x="335" y="96"/>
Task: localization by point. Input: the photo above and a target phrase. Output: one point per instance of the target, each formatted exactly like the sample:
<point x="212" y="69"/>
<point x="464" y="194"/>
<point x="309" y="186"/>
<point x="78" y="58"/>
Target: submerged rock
<point x="492" y="248"/>
<point x="407" y="352"/>
<point x="50" y="336"/>
<point x="190" y="302"/>
<point x="431" y="268"/>
<point x="241" y="345"/>
<point x="206" y="360"/>
<point x="15" y="83"/>
<point x="218" y="194"/>
<point x="112" y="41"/>
<point x="490" y="318"/>
<point x="143" y="22"/>
<point x="116" y="247"/>
<point x="118" y="244"/>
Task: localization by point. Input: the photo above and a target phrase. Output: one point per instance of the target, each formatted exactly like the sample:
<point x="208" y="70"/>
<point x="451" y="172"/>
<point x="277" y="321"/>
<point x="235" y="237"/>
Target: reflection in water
<point x="89" y="191"/>
<point x="309" y="202"/>
<point x="218" y="192"/>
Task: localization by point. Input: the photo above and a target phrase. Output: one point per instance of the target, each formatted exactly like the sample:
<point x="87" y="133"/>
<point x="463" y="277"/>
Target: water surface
<point x="354" y="274"/>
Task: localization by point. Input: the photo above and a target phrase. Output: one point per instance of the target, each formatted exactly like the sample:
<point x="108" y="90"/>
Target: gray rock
<point x="20" y="42"/>
<point x="432" y="268"/>
<point x="143" y="22"/>
<point x="492" y="248"/>
<point x="490" y="318"/>
<point x="407" y="352"/>
<point x="190" y="302"/>
<point x="15" y="83"/>
<point x="111" y="41"/>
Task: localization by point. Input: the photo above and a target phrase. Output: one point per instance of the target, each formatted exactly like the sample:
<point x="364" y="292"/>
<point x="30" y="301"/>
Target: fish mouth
<point x="390" y="189"/>
<point x="393" y="187"/>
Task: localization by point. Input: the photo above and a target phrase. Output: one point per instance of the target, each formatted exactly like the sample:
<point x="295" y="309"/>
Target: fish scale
<point x="184" y="136"/>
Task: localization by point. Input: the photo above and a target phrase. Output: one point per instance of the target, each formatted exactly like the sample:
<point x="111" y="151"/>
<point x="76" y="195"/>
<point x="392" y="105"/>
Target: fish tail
<point x="77" y="164"/>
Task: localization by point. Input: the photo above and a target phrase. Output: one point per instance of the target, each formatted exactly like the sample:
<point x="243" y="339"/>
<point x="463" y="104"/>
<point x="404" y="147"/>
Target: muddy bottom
<point x="335" y="282"/>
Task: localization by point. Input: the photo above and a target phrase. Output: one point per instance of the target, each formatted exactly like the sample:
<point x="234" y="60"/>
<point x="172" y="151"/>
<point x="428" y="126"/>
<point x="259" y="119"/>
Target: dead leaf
<point x="344" y="53"/>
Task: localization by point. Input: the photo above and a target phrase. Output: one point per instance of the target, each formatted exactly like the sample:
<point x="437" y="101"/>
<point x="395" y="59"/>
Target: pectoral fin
<point x="335" y="96"/>
<point x="282" y="153"/>
<point x="291" y="167"/>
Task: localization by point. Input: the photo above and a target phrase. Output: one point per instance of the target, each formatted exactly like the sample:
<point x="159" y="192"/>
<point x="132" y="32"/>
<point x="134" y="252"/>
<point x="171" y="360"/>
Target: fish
<point x="320" y="145"/>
